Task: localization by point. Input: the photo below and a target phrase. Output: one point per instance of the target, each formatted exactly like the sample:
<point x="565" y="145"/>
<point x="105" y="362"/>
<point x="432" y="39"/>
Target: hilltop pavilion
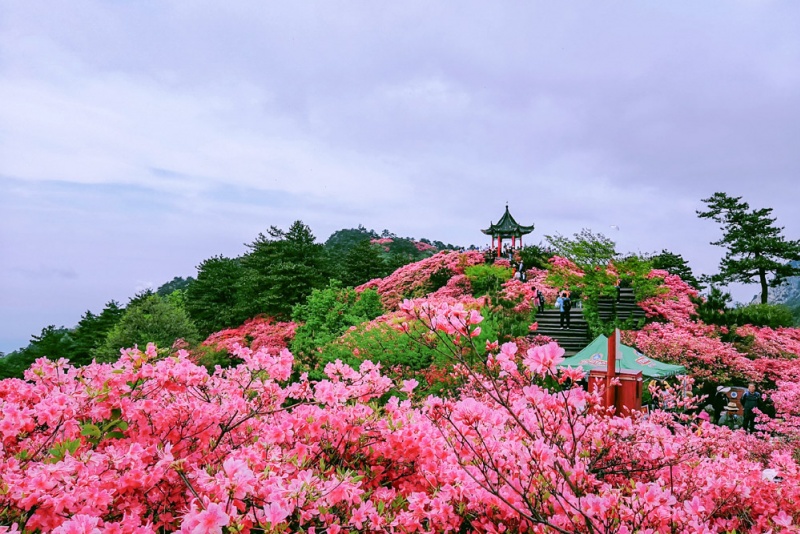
<point x="506" y="228"/>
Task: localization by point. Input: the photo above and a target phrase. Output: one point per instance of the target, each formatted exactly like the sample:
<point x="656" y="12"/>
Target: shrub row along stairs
<point x="572" y="340"/>
<point x="624" y="308"/>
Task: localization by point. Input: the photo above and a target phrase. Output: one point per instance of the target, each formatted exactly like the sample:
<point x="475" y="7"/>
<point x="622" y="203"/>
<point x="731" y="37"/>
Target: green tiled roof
<point x="507" y="227"/>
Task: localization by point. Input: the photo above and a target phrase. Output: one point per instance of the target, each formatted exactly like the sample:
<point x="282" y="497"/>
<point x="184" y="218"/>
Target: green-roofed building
<point x="595" y="357"/>
<point x="507" y="228"/>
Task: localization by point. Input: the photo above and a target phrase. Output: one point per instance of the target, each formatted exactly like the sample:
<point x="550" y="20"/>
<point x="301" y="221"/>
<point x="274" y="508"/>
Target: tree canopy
<point x="281" y="270"/>
<point x="585" y="248"/>
<point x="152" y="319"/>
<point x="675" y="264"/>
<point x="755" y="247"/>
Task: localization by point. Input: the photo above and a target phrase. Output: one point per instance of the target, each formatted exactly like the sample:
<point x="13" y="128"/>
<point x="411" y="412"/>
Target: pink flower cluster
<point x="148" y="445"/>
<point x="412" y="280"/>
<point x="422" y="247"/>
<point x="257" y="333"/>
<point x="772" y="343"/>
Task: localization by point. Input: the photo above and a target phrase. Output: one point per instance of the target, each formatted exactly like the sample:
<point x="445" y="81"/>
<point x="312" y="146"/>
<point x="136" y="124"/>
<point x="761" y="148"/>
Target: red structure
<point x="507" y="228"/>
<point x="625" y="397"/>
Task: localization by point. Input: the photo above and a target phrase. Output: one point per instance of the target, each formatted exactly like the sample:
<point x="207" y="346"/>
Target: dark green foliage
<point x="677" y="265"/>
<point x="151" y="319"/>
<point x="280" y="271"/>
<point x="534" y="256"/>
<point x="771" y="315"/>
<point x="712" y="308"/>
<point x="52" y="342"/>
<point x="327" y="314"/>
<point x="92" y="331"/>
<point x="362" y="263"/>
<point x="755" y="247"/>
<point x="439" y="279"/>
<point x="177" y="283"/>
<point x="341" y="241"/>
<point x="140" y="296"/>
<point x="487" y="279"/>
<point x="209" y="358"/>
<point x="211" y="299"/>
<point x="585" y="249"/>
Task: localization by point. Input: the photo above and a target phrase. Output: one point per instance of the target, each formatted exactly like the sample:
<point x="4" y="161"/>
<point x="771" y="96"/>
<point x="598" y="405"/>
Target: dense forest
<point x="278" y="271"/>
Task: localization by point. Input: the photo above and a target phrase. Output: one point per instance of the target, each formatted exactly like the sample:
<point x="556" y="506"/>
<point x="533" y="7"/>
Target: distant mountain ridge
<point x="787" y="293"/>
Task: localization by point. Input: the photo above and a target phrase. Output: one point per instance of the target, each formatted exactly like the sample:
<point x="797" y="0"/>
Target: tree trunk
<point x="762" y="275"/>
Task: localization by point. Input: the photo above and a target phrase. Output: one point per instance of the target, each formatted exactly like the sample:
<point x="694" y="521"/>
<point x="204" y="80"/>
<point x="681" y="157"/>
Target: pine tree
<point x="755" y="247"/>
<point x="280" y="271"/>
<point x="211" y="298"/>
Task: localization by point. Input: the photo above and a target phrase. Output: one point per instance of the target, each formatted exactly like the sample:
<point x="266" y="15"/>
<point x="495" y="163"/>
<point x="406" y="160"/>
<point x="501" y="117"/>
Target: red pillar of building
<point x="499" y="245"/>
<point x="513" y="241"/>
<point x="611" y="369"/>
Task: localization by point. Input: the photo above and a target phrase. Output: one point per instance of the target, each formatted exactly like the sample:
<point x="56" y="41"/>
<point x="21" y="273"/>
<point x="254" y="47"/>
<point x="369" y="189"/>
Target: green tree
<point x="362" y="263"/>
<point x="280" y="271"/>
<point x="755" y="248"/>
<point x="341" y="241"/>
<point x="152" y="319"/>
<point x="534" y="256"/>
<point x="713" y="307"/>
<point x="211" y="299"/>
<point x="675" y="264"/>
<point x="51" y="342"/>
<point x="771" y="315"/>
<point x="92" y="330"/>
<point x="585" y="248"/>
<point x="174" y="285"/>
<point x="328" y="313"/>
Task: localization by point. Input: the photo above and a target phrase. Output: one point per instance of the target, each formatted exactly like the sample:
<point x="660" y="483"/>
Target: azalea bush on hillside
<point x="413" y="280"/>
<point x="150" y="443"/>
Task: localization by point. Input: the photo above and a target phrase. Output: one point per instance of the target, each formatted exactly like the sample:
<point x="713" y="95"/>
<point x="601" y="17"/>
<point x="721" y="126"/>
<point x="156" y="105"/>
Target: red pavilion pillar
<point x="499" y="245"/>
<point x="513" y="241"/>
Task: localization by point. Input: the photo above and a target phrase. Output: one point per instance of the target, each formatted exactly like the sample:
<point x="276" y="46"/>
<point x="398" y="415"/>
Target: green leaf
<point x="90" y="431"/>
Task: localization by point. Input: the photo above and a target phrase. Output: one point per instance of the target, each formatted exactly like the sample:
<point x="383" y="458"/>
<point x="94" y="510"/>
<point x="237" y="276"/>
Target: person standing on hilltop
<point x="750" y="401"/>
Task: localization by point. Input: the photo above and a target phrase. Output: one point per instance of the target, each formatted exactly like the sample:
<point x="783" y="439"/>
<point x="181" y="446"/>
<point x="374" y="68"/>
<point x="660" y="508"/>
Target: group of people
<point x="563" y="302"/>
<point x="751" y="400"/>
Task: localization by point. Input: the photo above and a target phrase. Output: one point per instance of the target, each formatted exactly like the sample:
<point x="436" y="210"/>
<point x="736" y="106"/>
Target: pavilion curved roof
<point x="507" y="226"/>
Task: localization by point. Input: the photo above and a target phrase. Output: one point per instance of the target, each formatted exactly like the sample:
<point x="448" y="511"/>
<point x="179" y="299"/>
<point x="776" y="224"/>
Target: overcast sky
<point x="138" y="138"/>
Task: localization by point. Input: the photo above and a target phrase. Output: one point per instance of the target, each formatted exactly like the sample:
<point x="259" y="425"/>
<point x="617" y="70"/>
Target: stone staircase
<point x="572" y="340"/>
<point x="625" y="308"/>
<point x="577" y="337"/>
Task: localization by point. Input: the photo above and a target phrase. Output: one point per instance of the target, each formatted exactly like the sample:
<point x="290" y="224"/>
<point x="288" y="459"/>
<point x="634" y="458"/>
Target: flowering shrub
<point x="156" y="443"/>
<point x="412" y="280"/>
<point x="771" y="343"/>
<point x="149" y="444"/>
<point x="546" y="458"/>
<point x="257" y="333"/>
<point x="422" y="247"/>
